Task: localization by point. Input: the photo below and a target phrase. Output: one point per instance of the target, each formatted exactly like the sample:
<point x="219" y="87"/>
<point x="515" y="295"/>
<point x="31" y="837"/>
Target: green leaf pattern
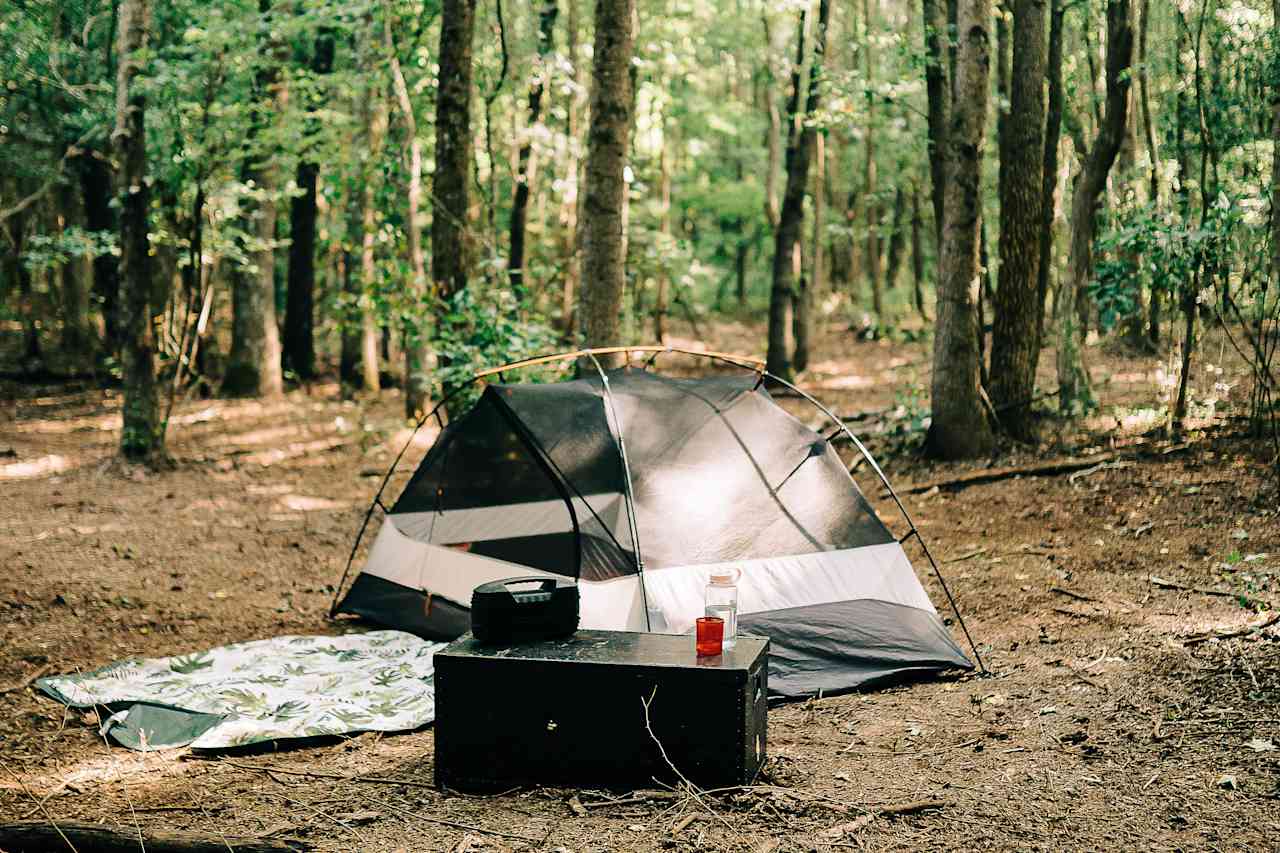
<point x="285" y="687"/>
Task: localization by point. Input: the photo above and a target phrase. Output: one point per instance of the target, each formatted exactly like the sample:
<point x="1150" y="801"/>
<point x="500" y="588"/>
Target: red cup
<point x="710" y="636"/>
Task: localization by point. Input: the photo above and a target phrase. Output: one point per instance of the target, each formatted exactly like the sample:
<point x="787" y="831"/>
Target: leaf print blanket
<point x="286" y="687"/>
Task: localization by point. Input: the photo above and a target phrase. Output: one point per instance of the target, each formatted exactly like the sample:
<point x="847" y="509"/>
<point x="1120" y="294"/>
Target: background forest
<point x="227" y="197"/>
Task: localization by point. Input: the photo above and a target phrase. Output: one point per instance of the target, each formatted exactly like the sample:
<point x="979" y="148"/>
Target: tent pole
<point x="377" y="497"/>
<point x="626" y="475"/>
<point x="901" y="508"/>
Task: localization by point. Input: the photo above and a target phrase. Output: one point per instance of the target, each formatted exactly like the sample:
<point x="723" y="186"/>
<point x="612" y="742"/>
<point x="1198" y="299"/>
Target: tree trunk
<point x="603" y="241"/>
<point x="77" y="341"/>
<point x="526" y="159"/>
<point x="938" y="88"/>
<point x="959" y="427"/>
<point x="1049" y="172"/>
<point x="142" y="435"/>
<point x="571" y="242"/>
<point x="95" y="186"/>
<point x="299" y="315"/>
<point x="897" y="240"/>
<point x="449" y="246"/>
<point x="253" y="366"/>
<point x="1016" y="304"/>
<point x="809" y="286"/>
<point x="1275" y="164"/>
<point x="18" y="272"/>
<point x="370" y="334"/>
<point x="917" y="253"/>
<point x="664" y="229"/>
<point x="349" y="331"/>
<point x="1153" y="156"/>
<point x="773" y="131"/>
<point x="800" y="144"/>
<point x="416" y="350"/>
<point x="1074" y="391"/>
<point x="871" y="201"/>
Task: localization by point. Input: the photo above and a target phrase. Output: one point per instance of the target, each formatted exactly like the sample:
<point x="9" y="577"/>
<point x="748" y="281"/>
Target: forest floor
<point x="1107" y="719"/>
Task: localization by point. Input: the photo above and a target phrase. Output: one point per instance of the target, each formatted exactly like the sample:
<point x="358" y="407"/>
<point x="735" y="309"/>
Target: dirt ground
<point x="1107" y="718"/>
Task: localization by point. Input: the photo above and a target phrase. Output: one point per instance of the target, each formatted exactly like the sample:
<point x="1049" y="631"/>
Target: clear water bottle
<point x="722" y="601"/>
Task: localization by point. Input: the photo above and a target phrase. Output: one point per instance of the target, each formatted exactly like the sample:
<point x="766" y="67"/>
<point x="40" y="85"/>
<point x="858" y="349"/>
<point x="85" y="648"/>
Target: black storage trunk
<point x="568" y="712"/>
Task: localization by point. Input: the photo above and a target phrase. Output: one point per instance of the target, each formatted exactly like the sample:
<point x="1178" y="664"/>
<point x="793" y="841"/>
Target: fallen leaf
<point x="1227" y="781"/>
<point x="1239" y="533"/>
<point x="1048" y="709"/>
<point x="636" y="827"/>
<point x="576" y="806"/>
<point x="767" y="845"/>
<point x="1260" y="744"/>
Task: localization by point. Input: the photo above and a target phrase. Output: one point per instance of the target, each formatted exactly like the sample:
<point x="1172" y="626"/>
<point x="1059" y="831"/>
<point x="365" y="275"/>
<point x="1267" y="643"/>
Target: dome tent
<point x="640" y="485"/>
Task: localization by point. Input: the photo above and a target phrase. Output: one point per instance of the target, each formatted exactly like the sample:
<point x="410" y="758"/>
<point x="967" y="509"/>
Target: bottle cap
<point x="728" y="576"/>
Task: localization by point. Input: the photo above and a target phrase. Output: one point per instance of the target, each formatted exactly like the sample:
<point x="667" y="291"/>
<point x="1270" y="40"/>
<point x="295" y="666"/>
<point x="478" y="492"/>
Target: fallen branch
<point x="910" y="808"/>
<point x="373" y="780"/>
<point x="1227" y="635"/>
<point x="694" y="791"/>
<point x="1162" y="583"/>
<point x="39" y="837"/>
<point x="969" y="556"/>
<point x="991" y="475"/>
<point x="1069" y="594"/>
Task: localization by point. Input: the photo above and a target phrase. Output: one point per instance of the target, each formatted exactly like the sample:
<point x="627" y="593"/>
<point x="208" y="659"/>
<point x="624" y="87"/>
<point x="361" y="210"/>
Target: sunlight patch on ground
<point x="265" y="436"/>
<point x="131" y="769"/>
<point x="302" y="448"/>
<point x="422" y="441"/>
<point x="845" y="383"/>
<point x="45" y="465"/>
<point x="306" y="503"/>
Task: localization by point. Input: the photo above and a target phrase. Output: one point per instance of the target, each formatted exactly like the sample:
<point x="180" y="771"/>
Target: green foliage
<point x="51" y="251"/>
<point x="476" y="331"/>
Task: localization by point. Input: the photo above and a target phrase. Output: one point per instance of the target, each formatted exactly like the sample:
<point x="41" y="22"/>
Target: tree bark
<point x="416" y="350"/>
<point x="1016" y="303"/>
<point x="959" y="427"/>
<point x="526" y="159"/>
<point x="1049" y="172"/>
<point x="800" y="145"/>
<point x="253" y="366"/>
<point x="299" y="317"/>
<point x="603" y="241"/>
<point x="1074" y="391"/>
<point x="142" y="435"/>
<point x="449" y="244"/>
<point x="938" y="88"/>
